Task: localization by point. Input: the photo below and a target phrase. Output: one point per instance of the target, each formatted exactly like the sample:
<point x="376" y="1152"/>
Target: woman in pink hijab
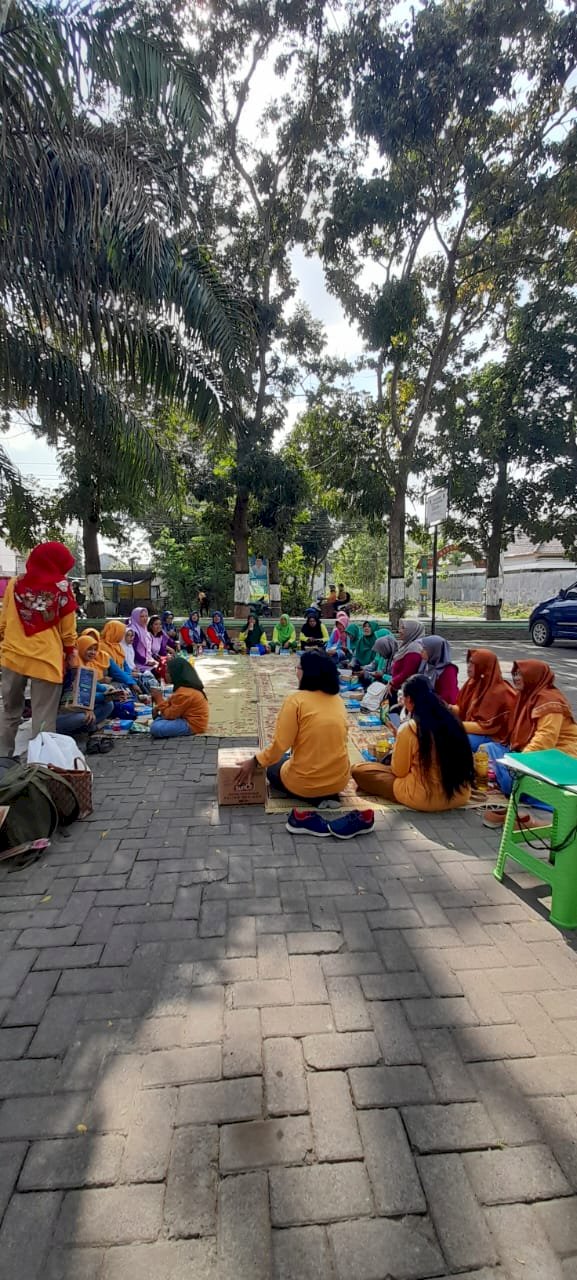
<point x="337" y="647"/>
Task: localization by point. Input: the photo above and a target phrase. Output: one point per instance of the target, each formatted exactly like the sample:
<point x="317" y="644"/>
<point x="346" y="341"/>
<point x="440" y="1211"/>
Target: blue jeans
<point x="495" y="750"/>
<point x="161" y="728"/>
<point x="73" y="722"/>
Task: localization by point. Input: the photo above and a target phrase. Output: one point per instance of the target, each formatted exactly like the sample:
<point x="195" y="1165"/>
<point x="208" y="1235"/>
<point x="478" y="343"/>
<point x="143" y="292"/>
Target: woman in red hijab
<point x="37" y="639"/>
<point x="542" y="719"/>
<point x="486" y="702"/>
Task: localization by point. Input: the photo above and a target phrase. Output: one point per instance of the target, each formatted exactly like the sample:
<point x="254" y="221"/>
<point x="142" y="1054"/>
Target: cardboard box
<point x="79" y="689"/>
<point x="229" y="758"/>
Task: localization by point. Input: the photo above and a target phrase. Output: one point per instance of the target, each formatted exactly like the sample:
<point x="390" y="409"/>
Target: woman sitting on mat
<point x="314" y="634"/>
<point x="117" y="669"/>
<point x="162" y="647"/>
<point x="192" y="635"/>
<point x="384" y="651"/>
<point x="254" y="636"/>
<point x="486" y="702"/>
<point x="542" y="720"/>
<point x="142" y="642"/>
<point x="284" y="636"/>
<point x="338" y="646"/>
<point x="432" y="763"/>
<point x="363" y="649"/>
<point x="170" y="631"/>
<point x="312" y="725"/>
<point x="409" y="654"/>
<point x="78" y="722"/>
<point x="440" y="670"/>
<point x="217" y="634"/>
<point x="186" y="710"/>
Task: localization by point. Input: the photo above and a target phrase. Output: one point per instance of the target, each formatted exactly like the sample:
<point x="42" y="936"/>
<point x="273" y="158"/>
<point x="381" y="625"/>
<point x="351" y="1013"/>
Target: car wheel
<point x="541" y="633"/>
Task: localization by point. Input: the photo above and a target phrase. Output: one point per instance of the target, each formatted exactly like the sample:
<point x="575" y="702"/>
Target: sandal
<point x="99" y="746"/>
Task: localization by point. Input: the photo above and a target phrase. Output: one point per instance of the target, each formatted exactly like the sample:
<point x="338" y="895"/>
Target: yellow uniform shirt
<point x="40" y="657"/>
<point x="313" y="726"/>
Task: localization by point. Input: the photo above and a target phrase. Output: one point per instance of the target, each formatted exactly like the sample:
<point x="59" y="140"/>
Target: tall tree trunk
<point x="313" y="574"/>
<point x="240" y="539"/>
<point x="494" y="545"/>
<point x="95" y="607"/>
<point x="397" y="554"/>
<point x="274" y="581"/>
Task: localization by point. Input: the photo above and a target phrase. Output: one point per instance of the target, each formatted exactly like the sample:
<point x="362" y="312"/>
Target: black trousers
<point x="273" y="775"/>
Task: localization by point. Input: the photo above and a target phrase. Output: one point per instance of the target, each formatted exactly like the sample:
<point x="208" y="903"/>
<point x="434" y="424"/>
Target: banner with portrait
<point x="258" y="578"/>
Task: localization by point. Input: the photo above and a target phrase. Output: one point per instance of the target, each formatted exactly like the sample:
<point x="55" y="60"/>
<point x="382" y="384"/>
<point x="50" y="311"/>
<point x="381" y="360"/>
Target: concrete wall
<point x="521" y="586"/>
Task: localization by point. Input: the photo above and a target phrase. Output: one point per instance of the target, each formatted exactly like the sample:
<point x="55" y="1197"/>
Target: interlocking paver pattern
<point x="227" y="1054"/>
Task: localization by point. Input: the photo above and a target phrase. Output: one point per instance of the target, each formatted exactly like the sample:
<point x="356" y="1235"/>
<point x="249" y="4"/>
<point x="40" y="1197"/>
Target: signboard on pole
<point x="436" y="506"/>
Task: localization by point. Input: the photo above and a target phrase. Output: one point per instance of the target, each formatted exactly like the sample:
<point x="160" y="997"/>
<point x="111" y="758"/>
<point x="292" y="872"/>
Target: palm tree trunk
<point x="95" y="607"/>
<point x="240" y="539"/>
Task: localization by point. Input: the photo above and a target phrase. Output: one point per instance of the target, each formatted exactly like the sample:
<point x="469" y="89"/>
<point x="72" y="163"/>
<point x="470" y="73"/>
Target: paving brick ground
<point x="232" y="1055"/>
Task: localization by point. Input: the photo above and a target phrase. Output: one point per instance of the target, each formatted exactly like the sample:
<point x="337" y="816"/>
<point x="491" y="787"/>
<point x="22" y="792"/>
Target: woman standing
<point x="38" y="640"/>
<point x="312" y="725"/>
<point x="441" y="672"/>
<point x="431" y="769"/>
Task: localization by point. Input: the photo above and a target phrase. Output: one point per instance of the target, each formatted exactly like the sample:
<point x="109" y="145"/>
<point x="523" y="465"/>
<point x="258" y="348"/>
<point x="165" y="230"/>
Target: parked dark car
<point x="555" y="619"/>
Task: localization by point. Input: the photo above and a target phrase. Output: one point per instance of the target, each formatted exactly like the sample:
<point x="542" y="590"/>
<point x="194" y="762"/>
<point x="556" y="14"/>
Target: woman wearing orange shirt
<point x="186" y="710"/>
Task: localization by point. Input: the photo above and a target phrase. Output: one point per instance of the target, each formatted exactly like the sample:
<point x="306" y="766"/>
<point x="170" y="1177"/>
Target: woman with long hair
<point x="312" y="726"/>
<point x="542" y="720"/>
<point x="432" y="763"/>
<point x="486" y="702"/>
<point x="38" y="637"/>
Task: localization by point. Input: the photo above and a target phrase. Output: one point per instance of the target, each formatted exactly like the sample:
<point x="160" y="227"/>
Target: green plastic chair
<point x="560" y="871"/>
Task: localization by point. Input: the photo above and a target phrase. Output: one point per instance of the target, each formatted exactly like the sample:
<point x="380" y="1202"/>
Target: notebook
<point x="550" y="766"/>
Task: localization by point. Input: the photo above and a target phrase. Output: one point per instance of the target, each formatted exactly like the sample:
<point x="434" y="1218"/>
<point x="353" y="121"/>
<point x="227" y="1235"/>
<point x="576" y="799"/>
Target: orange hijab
<point x="486" y="697"/>
<point x="112" y="635"/>
<point x="99" y="663"/>
<point x="537" y="698"/>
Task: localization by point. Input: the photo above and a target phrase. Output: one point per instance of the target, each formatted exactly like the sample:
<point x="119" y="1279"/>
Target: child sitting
<point x="186" y="710"/>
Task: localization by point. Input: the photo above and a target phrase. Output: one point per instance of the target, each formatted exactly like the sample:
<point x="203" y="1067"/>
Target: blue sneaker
<point x="303" y="822"/>
<point x="352" y="824"/>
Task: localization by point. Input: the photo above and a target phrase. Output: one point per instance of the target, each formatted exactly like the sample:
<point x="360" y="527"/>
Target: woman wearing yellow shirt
<point x="312" y="725"/>
<point x="37" y="638"/>
<point x="431" y="769"/>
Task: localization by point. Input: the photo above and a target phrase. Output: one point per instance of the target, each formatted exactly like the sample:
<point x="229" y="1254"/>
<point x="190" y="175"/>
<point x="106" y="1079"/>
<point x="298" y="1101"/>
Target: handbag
<point x="78" y="781"/>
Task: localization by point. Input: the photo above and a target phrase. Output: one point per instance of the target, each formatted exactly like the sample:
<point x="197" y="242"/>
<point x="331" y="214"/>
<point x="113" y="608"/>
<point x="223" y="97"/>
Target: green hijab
<point x="364" y="645"/>
<point x="183" y="675"/>
<point x="353" y="633"/>
<point x="284" y="629"/>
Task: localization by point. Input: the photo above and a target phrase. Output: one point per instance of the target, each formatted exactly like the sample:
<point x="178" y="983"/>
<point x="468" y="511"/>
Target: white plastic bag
<point x="57" y="749"/>
<point x="373" y="696"/>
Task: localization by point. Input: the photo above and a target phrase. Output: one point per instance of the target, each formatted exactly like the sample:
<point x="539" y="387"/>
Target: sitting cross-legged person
<point x="185" y="711"/>
<point x="431" y="768"/>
